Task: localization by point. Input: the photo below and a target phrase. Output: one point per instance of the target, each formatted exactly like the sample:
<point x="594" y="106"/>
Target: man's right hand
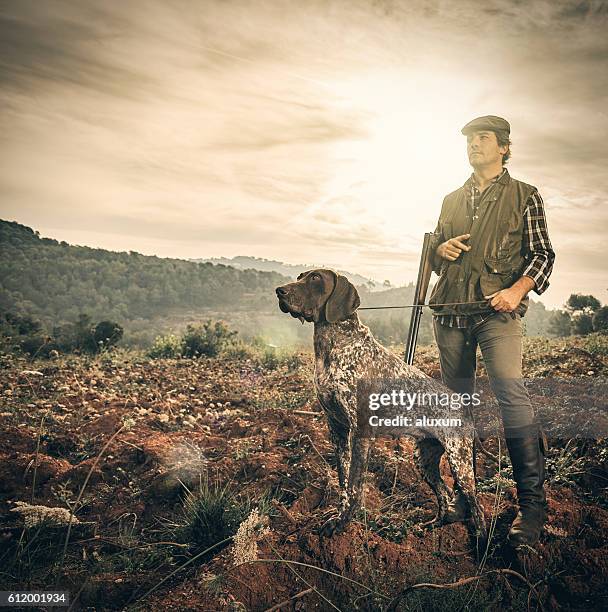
<point x="451" y="249"/>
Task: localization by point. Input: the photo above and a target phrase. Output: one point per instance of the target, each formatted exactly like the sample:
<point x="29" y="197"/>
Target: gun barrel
<point x="422" y="283"/>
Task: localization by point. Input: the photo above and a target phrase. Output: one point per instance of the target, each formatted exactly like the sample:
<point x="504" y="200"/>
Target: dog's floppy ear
<point x="343" y="301"/>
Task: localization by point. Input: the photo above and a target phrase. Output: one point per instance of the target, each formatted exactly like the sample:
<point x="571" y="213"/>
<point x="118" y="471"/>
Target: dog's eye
<point x="316" y="277"/>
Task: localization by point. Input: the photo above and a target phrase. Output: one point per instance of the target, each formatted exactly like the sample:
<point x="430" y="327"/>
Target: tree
<point x="582" y="324"/>
<point x="600" y="319"/>
<point x="586" y="304"/>
<point x="560" y="324"/>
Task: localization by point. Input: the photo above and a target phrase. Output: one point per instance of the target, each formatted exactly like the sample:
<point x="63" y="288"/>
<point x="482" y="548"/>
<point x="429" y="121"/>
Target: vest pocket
<point x="446" y="287"/>
<point x="496" y="274"/>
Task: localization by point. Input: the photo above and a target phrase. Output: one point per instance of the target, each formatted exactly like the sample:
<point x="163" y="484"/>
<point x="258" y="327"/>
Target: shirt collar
<point x="503" y="178"/>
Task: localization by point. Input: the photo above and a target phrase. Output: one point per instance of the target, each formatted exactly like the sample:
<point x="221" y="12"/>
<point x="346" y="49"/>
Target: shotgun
<point x="422" y="284"/>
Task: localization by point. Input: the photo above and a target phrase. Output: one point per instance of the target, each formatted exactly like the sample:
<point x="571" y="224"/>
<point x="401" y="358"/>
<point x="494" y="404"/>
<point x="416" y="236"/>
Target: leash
<point x="422" y="305"/>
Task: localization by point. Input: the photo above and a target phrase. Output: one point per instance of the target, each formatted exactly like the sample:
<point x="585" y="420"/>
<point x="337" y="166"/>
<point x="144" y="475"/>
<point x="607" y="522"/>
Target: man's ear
<point x="343" y="301"/>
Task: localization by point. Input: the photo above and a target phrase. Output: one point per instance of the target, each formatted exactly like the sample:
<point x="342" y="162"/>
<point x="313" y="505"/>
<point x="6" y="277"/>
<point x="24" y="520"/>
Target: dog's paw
<point x="333" y="524"/>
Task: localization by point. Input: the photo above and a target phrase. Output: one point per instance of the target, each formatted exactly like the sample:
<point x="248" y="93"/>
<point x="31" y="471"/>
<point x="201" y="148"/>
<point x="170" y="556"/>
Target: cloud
<point x="295" y="130"/>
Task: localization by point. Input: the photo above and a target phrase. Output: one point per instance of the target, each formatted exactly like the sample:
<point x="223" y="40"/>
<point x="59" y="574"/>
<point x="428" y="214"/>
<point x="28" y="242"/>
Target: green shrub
<point x="166" y="347"/>
<point x="16" y="325"/>
<point x="38" y="346"/>
<point x="267" y="356"/>
<point x="600" y="319"/>
<point x="560" y="324"/>
<point x="209" y="514"/>
<point x="597" y="344"/>
<point x="208" y="338"/>
<point x="86" y="337"/>
<point x="107" y="333"/>
<point x="582" y="324"/>
<point x="565" y="465"/>
<point x="240" y="351"/>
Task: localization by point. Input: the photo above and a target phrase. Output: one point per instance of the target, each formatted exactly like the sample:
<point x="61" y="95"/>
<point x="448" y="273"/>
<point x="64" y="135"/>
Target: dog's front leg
<point x="351" y="494"/>
<point x="342" y="441"/>
<point x="356" y="477"/>
<point x="342" y="455"/>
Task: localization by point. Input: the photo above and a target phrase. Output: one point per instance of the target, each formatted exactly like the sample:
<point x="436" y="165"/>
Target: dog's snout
<point x="281" y="291"/>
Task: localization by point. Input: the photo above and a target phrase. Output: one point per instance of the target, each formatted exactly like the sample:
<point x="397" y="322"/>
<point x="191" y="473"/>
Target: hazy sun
<point x="412" y="155"/>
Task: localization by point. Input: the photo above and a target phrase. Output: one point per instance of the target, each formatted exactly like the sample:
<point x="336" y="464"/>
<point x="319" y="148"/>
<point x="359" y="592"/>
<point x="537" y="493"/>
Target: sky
<point x="322" y="132"/>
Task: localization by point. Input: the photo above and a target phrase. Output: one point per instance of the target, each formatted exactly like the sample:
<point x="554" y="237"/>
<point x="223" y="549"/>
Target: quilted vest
<point x="495" y="261"/>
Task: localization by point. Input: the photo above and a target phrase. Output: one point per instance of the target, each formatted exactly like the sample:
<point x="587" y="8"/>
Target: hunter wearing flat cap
<point x="491" y="247"/>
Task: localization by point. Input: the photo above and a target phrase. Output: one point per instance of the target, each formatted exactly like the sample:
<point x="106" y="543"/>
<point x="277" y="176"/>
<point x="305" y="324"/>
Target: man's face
<point x="483" y="149"/>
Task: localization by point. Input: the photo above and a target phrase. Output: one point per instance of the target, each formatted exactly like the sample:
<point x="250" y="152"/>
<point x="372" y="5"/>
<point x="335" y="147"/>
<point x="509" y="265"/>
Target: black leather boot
<point x="527" y="452"/>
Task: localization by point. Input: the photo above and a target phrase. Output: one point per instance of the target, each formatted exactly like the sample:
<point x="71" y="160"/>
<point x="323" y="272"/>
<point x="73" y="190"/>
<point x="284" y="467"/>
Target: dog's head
<point x="319" y="295"/>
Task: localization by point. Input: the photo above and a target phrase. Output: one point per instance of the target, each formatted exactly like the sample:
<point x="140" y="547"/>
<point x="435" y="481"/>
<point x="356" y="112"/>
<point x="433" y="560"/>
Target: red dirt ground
<point x="236" y="421"/>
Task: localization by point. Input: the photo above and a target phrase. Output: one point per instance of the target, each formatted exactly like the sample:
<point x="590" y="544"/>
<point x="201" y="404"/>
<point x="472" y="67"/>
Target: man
<point x="491" y="248"/>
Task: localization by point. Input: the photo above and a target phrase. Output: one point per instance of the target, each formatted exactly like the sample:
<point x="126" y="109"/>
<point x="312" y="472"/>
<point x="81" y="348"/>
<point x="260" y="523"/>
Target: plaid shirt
<point x="536" y="247"/>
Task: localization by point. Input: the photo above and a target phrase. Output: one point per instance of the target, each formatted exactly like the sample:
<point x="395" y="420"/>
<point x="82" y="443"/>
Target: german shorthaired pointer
<point x="345" y="353"/>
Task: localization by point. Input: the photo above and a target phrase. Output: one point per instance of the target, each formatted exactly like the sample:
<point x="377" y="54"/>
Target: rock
<point x="168" y="485"/>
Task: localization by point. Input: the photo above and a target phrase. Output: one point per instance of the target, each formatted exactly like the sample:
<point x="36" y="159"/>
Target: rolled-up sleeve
<point x="536" y="247"/>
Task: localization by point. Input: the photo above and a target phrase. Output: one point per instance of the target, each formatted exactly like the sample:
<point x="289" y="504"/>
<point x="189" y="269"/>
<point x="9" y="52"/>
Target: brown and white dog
<point x="347" y="353"/>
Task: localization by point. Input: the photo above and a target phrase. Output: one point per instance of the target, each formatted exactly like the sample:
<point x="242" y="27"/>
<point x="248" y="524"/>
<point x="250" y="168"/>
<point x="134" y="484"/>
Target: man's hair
<point x="504" y="140"/>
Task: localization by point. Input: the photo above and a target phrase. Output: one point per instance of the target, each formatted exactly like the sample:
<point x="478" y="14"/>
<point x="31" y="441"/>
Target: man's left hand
<point x="507" y="300"/>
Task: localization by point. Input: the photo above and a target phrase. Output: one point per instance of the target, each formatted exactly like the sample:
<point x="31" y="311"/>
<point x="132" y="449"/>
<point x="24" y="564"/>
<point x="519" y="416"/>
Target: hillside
<point x="242" y="262"/>
<point x="54" y="282"/>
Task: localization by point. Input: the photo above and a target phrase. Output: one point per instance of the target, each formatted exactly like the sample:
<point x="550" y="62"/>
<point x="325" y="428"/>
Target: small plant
<point x="64" y="494"/>
<point x="240" y="351"/>
<point x="270" y="359"/>
<point x="564" y="466"/>
<point x="390" y="527"/>
<point x="209" y="514"/>
<point x="247" y="536"/>
<point x="500" y="480"/>
<point x="273" y="358"/>
<point x="107" y="333"/>
<point x="35" y="515"/>
<point x="243" y="450"/>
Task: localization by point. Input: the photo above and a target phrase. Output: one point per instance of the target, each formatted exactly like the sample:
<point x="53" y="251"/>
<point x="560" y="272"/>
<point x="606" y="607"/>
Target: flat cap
<point x="487" y="122"/>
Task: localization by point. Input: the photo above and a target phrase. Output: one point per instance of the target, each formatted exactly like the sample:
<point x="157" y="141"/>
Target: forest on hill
<point x="54" y="284"/>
